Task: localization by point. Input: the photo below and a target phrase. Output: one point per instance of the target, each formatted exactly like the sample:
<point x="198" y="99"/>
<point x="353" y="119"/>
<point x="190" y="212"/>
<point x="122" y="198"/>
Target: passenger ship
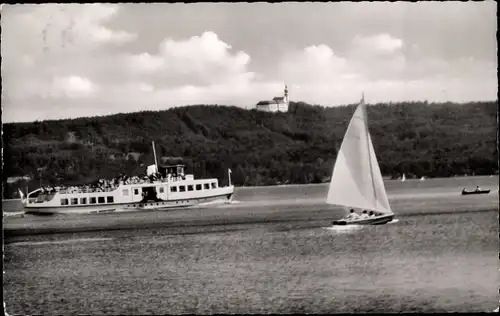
<point x="170" y="189"/>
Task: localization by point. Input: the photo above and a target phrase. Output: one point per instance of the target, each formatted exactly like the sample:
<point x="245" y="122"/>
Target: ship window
<point x="214" y="185"/>
<point x="173" y="189"/>
<point x="92" y="200"/>
<point x="190" y="187"/>
<point x="206" y="186"/>
<point x="161" y="189"/>
<point x="125" y="192"/>
<point x="136" y="191"/>
<point x="74" y="201"/>
<point x="64" y="201"/>
<point x="198" y="187"/>
<point x="110" y="199"/>
<point x="83" y="201"/>
<point x="100" y="199"/>
<point x="182" y="188"/>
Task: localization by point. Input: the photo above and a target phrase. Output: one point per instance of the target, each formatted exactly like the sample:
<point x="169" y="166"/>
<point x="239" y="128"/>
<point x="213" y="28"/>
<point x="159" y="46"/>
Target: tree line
<point x="300" y="146"/>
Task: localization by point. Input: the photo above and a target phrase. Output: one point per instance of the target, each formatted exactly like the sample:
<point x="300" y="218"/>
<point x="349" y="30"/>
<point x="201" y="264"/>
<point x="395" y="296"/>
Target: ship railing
<point x="87" y="190"/>
<point x="114" y="187"/>
<point x="175" y="179"/>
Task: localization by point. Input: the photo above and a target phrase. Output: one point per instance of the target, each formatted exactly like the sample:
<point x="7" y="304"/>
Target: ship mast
<point x="154" y="153"/>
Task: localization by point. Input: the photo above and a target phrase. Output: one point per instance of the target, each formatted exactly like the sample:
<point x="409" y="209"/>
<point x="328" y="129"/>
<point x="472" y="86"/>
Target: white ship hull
<point x="123" y="207"/>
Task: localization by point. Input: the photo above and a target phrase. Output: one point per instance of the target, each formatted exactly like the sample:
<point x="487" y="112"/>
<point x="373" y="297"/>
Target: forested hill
<point x="300" y="146"/>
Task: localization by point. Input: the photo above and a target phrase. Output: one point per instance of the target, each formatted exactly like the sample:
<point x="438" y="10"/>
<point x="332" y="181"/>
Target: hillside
<point x="300" y="146"/>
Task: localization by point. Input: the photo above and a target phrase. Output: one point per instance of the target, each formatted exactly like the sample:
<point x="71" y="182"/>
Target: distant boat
<point x="403" y="179"/>
<point x="476" y="191"/>
<point x="356" y="180"/>
<point x="422" y="179"/>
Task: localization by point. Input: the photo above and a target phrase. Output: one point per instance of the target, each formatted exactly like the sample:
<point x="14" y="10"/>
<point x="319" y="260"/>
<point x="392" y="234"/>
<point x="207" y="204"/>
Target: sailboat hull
<point x="379" y="220"/>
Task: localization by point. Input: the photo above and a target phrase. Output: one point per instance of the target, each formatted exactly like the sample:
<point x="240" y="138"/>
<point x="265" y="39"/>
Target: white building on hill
<point x="277" y="104"/>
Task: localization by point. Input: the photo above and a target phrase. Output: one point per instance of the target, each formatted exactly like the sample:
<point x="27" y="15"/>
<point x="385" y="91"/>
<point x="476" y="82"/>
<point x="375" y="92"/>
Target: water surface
<point x="280" y="256"/>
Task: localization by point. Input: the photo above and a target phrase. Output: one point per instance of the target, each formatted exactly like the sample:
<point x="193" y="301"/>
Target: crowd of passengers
<point x="104" y="185"/>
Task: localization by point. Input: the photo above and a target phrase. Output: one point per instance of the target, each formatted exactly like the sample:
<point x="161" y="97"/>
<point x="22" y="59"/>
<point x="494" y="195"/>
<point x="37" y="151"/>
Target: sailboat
<point x="403" y="179"/>
<point x="356" y="182"/>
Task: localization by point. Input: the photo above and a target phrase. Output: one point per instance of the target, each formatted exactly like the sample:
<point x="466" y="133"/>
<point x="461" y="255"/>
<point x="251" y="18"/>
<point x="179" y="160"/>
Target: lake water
<point x="271" y="251"/>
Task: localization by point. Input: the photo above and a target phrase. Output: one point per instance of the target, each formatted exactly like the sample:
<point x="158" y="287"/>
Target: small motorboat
<point x="476" y="191"/>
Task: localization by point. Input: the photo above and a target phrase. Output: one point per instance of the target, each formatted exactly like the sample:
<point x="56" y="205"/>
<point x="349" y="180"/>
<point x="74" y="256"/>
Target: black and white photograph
<point x="250" y="158"/>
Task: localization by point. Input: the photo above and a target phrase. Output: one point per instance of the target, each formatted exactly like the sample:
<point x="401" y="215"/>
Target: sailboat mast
<point x="368" y="145"/>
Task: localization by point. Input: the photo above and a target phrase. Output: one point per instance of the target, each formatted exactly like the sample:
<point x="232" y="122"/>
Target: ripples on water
<point x="426" y="263"/>
<point x="437" y="256"/>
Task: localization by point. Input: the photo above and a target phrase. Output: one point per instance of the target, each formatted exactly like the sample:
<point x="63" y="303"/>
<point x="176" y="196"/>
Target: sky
<point x="73" y="60"/>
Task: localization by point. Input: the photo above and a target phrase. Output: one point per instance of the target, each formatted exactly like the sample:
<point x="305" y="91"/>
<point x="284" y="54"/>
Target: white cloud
<point x="144" y="87"/>
<point x="58" y="28"/>
<point x="313" y="64"/>
<point x="208" y="47"/>
<point x="102" y="34"/>
<point x="83" y="24"/>
<point x="72" y="87"/>
<point x="378" y="56"/>
<point x="199" y="60"/>
<point x="380" y="43"/>
<point x="203" y="59"/>
<point x="145" y="63"/>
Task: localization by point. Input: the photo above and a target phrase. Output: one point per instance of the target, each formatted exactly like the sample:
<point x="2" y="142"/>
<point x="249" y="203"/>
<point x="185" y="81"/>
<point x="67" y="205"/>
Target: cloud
<point x="144" y="87"/>
<point x="97" y="59"/>
<point x="316" y="63"/>
<point x="47" y="41"/>
<point x="376" y="57"/>
<point x="145" y="63"/>
<point x="200" y="60"/>
<point x="379" y="56"/>
<point x="377" y="44"/>
<point x="59" y="28"/>
<point x="73" y="87"/>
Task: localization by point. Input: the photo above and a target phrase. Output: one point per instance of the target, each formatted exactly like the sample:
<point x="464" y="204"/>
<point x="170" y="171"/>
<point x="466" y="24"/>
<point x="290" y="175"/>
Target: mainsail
<point x="356" y="180"/>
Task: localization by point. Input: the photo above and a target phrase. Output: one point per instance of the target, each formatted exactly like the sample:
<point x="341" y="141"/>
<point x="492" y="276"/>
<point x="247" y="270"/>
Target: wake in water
<point x="9" y="214"/>
<point x="352" y="228"/>
<point x="55" y="242"/>
<point x="215" y="203"/>
<point x="223" y="204"/>
<point x="344" y="229"/>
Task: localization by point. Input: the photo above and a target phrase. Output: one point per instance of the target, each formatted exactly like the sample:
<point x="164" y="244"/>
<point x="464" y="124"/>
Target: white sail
<point x="403" y="179"/>
<point x="356" y="180"/>
<point x="381" y="198"/>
